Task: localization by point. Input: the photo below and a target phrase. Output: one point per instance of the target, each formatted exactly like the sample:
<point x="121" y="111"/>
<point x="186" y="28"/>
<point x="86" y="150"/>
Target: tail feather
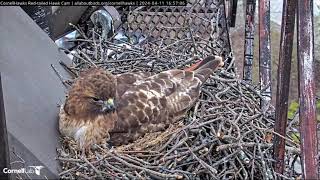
<point x="207" y="66"/>
<point x="203" y="62"/>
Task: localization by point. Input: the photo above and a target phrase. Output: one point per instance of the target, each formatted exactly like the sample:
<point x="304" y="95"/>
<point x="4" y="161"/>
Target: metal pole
<point x="225" y="32"/>
<point x="264" y="51"/>
<point x="285" y="55"/>
<point x="233" y="12"/>
<point x="307" y="111"/>
<point x="249" y="40"/>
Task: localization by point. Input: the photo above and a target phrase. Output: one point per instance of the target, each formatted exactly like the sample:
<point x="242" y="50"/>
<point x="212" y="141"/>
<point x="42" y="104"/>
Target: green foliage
<point x="293" y="108"/>
<point x="295" y="137"/>
<point x="318" y="105"/>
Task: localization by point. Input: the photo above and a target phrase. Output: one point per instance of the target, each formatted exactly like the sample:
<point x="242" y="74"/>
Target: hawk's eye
<point x="95" y="99"/>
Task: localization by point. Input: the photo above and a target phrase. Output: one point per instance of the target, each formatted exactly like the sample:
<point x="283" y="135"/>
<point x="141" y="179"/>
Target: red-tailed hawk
<point x="120" y="108"/>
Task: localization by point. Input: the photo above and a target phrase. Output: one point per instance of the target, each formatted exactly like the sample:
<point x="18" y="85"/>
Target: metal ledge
<point x="31" y="91"/>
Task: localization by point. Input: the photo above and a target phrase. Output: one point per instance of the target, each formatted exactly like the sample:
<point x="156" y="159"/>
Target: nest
<point x="226" y="135"/>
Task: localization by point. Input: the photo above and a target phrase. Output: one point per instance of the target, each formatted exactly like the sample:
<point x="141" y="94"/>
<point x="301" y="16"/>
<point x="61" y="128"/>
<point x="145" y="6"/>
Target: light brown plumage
<point x="121" y="108"/>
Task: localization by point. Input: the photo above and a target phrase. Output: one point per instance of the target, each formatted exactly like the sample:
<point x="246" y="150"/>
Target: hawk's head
<point x="92" y="94"/>
<point x="90" y="108"/>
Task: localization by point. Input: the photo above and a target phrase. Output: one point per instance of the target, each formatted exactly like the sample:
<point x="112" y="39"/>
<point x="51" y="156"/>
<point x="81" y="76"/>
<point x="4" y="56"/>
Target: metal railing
<point x="302" y="12"/>
<point x="201" y="19"/>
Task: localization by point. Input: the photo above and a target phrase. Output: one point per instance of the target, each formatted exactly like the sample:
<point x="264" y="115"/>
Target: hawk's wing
<point x="154" y="102"/>
<point x="126" y="80"/>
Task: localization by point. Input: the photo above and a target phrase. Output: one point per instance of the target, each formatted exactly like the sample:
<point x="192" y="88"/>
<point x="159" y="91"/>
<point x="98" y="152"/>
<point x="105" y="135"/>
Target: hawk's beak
<point x="108" y="106"/>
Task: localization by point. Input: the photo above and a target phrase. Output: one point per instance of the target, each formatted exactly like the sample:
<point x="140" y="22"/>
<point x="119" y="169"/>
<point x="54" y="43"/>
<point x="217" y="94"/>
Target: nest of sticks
<point x="225" y="136"/>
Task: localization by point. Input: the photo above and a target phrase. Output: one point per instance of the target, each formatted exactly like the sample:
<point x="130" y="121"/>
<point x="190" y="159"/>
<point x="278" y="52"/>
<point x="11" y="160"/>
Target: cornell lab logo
<point x="37" y="169"/>
<point x="28" y="170"/>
